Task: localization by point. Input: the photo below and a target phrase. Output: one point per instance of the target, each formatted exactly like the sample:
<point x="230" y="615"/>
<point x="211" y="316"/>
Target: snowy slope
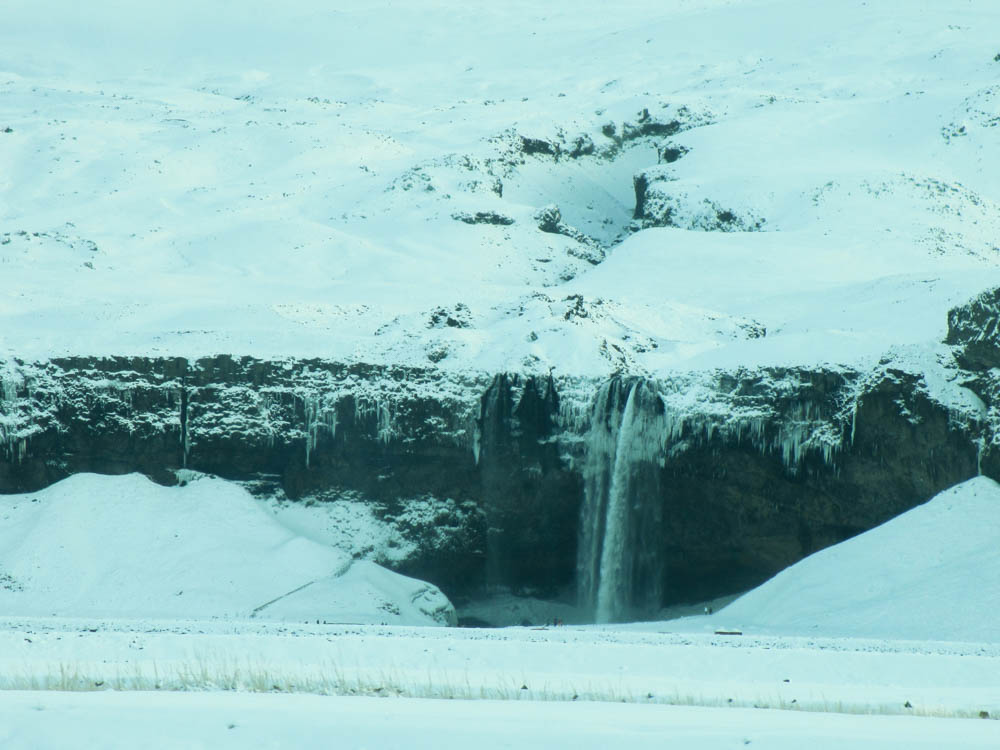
<point x="124" y="547"/>
<point x="297" y="179"/>
<point x="931" y="573"/>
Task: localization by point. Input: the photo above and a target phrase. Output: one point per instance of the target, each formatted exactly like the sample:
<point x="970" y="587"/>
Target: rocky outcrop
<point x="974" y="332"/>
<point x="659" y="204"/>
<point x="483" y="217"/>
<point x="975" y="327"/>
<point x="549" y="220"/>
<point x="633" y="492"/>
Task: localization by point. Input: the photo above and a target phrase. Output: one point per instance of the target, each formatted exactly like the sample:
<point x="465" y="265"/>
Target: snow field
<point x="283" y="181"/>
<point x="684" y="667"/>
<point x="237" y="720"/>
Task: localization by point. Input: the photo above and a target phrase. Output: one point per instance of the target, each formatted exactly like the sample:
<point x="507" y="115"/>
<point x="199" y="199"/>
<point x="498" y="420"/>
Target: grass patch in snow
<point x="330" y="679"/>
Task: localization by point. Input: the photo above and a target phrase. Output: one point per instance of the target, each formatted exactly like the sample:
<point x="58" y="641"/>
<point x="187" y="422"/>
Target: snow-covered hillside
<point x="103" y="546"/>
<point x="931" y="573"/>
<point x="375" y="181"/>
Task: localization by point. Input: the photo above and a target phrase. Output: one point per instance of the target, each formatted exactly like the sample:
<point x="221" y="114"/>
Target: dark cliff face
<point x="736" y="516"/>
<point x="530" y="498"/>
<point x="621" y="488"/>
<point x="974" y="332"/>
<point x="975" y="327"/>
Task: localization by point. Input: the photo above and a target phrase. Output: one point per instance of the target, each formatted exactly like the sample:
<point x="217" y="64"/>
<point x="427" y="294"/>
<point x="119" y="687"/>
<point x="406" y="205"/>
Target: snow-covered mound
<point x="932" y="573"/>
<point x="123" y="546"/>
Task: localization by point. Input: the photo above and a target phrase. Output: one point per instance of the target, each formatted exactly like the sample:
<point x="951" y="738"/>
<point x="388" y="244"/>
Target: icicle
<point x="9" y="390"/>
<point x="309" y="407"/>
<point x="365" y="410"/>
<point x="318" y="416"/>
<point x="386" y="432"/>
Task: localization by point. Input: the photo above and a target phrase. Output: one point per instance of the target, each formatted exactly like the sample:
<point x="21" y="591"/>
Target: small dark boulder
<point x="549" y="218"/>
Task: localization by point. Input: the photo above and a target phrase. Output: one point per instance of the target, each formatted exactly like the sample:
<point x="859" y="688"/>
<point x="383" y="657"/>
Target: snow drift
<point x="122" y="546"/>
<point x="930" y="574"/>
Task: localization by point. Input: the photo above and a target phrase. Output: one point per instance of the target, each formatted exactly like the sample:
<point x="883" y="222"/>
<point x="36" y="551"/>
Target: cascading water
<point x="619" y="565"/>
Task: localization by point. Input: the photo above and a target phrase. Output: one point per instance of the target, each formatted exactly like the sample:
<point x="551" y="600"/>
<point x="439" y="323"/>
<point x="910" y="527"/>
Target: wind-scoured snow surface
<point x="931" y="573"/>
<point x="100" y="546"/>
<point x="361" y="180"/>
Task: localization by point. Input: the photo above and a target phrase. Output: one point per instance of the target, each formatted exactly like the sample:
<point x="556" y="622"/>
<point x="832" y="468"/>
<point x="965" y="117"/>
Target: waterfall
<point x="619" y="563"/>
<point x="614" y="582"/>
<point x="602" y="441"/>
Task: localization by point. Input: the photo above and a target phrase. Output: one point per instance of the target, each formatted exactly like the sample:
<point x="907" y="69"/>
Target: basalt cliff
<point x="629" y="492"/>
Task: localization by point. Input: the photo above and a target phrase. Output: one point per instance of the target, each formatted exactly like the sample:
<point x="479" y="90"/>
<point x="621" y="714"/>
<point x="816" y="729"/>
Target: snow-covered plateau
<point x="322" y="323"/>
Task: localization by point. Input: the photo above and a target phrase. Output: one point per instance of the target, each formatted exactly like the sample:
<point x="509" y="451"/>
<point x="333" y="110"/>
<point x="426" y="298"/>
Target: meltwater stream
<point x="619" y="563"/>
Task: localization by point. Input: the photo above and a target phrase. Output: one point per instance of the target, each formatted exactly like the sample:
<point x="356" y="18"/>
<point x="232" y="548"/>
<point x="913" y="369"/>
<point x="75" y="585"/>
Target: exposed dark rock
<point x="523" y="477"/>
<point x="583" y="145"/>
<point x="640" y="184"/>
<point x="587" y="249"/>
<point x="549" y="220"/>
<point x="756" y="517"/>
<point x="450" y="541"/>
<point x="754" y="330"/>
<point x="647" y="125"/>
<point x="533" y="146"/>
<point x="671" y="152"/>
<point x="975" y="326"/>
<point x="483" y="217"/>
<point x="657" y="205"/>
<point x="460" y="316"/>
